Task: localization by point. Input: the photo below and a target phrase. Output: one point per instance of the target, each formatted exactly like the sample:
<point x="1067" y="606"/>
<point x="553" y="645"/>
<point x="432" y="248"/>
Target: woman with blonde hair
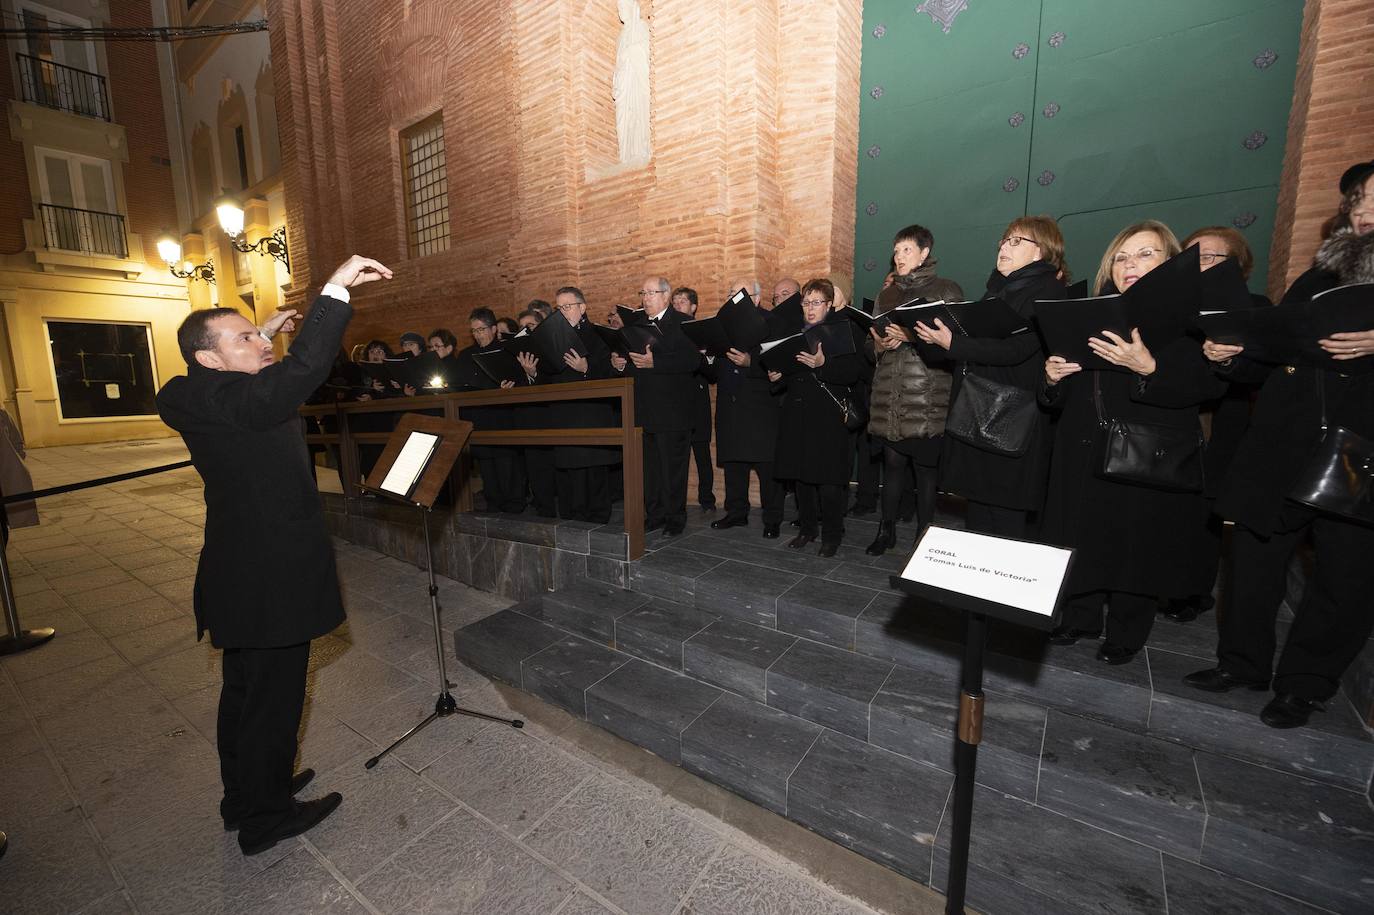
<point x="1129" y="552"/>
<point x="1004" y="490"/>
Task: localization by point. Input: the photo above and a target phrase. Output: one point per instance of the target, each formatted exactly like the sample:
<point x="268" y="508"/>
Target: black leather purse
<point x="992" y="416"/>
<point x="1147" y="454"/>
<point x="1339" y="475"/>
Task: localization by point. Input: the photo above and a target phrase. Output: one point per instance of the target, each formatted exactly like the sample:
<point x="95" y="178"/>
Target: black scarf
<point x="1008" y="287"/>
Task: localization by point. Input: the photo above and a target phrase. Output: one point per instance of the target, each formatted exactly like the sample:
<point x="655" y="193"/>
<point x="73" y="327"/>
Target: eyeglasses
<point x="815" y="302"/>
<point x="1210" y="259"/>
<point x="1144" y="254"/>
<point x="648" y="292"/>
<point x="1012" y="241"/>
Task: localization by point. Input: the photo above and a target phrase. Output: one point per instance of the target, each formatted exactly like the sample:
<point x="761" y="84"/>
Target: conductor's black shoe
<point x="771" y="531"/>
<point x="828" y="549"/>
<point x="307" y="816"/>
<point x="298" y="783"/>
<point x="1066" y="635"/>
<point x="1217" y="680"/>
<point x="721" y="524"/>
<point x="1109" y="653"/>
<point x="1286" y="710"/>
<point x="801" y="540"/>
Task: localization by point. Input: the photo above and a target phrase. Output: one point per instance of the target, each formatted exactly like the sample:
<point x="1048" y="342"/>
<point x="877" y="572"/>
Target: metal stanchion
<point x="19" y="639"/>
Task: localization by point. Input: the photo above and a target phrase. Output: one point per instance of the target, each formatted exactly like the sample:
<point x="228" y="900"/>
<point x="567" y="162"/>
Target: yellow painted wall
<point x="26" y="374"/>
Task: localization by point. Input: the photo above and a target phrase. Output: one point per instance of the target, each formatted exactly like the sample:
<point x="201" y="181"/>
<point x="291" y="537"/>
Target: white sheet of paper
<point x="410" y="463"/>
<point x="1009" y="572"/>
<point x="765" y="347"/>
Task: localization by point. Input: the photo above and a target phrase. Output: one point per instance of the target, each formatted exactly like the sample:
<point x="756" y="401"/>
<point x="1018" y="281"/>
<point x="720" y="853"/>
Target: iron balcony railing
<point x="55" y="85"/>
<point x="86" y="231"/>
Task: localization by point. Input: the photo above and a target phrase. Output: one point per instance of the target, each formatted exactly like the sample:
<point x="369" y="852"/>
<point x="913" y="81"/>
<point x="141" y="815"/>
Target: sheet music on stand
<point x="405" y="471"/>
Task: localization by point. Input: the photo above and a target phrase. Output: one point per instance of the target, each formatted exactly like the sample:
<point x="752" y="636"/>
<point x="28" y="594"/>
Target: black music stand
<point x="412" y="469"/>
<point x="1016" y="581"/>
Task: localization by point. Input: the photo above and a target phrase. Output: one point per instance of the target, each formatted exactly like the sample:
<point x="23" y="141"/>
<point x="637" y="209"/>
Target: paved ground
<point x="109" y="784"/>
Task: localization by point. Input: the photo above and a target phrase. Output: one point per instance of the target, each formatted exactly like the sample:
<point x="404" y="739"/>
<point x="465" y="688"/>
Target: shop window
<point x="102" y="369"/>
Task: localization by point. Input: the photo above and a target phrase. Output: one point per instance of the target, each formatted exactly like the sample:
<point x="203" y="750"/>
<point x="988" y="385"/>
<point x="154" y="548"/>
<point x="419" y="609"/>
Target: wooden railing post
<point x="632" y="460"/>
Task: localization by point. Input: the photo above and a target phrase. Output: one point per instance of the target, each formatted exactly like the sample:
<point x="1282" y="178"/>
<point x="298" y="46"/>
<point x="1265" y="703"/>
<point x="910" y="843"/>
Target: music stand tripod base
<point x="25" y="639"/>
<point x="452" y="436"/>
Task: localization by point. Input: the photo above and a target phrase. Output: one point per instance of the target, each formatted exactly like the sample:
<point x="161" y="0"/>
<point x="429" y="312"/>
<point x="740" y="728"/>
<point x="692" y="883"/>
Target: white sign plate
<point x="1014" y="573"/>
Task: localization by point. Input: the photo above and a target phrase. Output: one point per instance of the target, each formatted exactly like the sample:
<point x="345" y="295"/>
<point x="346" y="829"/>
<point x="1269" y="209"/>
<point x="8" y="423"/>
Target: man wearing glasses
<point x="663" y="402"/>
<point x="784" y="290"/>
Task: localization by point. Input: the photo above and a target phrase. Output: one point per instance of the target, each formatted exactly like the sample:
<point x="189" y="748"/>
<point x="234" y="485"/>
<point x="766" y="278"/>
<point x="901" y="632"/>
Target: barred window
<point x="426" y="186"/>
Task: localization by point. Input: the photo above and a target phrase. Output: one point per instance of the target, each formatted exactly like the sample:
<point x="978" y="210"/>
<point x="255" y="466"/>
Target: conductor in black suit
<point x="266" y="584"/>
<point x="664" y="395"/>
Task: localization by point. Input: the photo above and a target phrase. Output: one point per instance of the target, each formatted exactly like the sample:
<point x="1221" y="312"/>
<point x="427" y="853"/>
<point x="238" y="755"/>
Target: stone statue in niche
<point x="630" y="86"/>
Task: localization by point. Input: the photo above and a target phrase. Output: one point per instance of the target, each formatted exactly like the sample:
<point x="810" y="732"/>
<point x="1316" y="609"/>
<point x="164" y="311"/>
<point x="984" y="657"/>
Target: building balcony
<point x="68" y="238"/>
<point x="62" y="88"/>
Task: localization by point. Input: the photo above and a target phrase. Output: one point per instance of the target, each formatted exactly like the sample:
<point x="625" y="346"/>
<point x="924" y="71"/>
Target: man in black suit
<point x="747" y="414"/>
<point x="663" y="409"/>
<point x="266" y="584"/>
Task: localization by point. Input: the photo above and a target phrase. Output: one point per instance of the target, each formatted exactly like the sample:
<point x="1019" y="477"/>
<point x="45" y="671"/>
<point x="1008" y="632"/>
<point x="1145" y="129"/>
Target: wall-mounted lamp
<point x="169" y="249"/>
<point x="231" y="221"/>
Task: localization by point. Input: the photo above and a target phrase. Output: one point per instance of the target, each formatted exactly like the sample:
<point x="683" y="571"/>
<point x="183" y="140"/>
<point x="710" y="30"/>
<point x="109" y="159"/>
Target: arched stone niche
<point x="203" y="167"/>
<point x="231" y="115"/>
<point x="269" y="144"/>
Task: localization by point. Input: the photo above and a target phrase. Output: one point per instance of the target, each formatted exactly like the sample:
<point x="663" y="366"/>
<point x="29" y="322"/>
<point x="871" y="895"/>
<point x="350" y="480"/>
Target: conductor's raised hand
<point x="644" y="360"/>
<point x="939" y="335"/>
<point x="738" y="358"/>
<point x="813" y="360"/>
<point x="283" y="322"/>
<point x="1057" y="368"/>
<point x="1130" y="354"/>
<point x="1349" y="344"/>
<point x="358" y="270"/>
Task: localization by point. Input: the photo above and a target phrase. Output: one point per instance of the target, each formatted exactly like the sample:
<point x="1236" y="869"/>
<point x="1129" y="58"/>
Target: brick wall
<point x="755" y="120"/>
<point x="137" y="106"/>
<point x="1330" y="128"/>
<point x="16" y="204"/>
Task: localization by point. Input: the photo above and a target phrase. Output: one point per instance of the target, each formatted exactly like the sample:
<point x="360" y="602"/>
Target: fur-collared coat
<point x="1287" y="418"/>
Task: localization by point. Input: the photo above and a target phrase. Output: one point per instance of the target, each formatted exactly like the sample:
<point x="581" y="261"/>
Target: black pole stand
<point x="966" y="761"/>
<point x="445" y="704"/>
<point x="18" y="638"/>
<point x="4" y="844"/>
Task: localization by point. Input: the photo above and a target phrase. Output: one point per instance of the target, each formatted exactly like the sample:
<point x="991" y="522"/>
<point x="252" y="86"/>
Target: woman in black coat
<point x="813" y="443"/>
<point x="1226" y="418"/>
<point x="1004" y="491"/>
<point x="1333" y="622"/>
<point x="1129" y="552"/>
<point x="582" y="471"/>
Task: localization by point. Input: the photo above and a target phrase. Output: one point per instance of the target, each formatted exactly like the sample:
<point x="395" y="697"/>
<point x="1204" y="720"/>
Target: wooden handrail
<point x="628" y="437"/>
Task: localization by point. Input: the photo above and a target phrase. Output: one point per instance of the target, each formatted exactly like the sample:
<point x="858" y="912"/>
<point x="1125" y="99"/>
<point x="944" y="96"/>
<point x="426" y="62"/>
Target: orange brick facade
<point x="1331" y="126"/>
<point x="754" y="124"/>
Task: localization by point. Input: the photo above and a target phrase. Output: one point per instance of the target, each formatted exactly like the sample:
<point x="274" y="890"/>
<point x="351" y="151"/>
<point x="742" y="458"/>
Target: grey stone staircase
<point x="811" y="688"/>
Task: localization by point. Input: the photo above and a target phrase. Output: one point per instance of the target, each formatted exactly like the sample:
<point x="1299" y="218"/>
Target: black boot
<point x="886" y="539"/>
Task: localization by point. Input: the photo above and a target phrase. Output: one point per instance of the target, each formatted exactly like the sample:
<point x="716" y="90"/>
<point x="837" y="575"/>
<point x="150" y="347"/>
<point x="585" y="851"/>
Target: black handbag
<point x="992" y="416"/>
<point x="1338" y="477"/>
<point x="1146" y="454"/>
<point x="854" y="417"/>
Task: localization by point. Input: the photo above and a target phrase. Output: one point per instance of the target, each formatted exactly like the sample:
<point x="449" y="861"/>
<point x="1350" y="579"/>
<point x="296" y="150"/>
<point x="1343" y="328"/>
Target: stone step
<point x="860" y="751"/>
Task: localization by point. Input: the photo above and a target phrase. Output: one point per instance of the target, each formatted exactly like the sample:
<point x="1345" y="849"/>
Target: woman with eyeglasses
<point x="1130" y="554"/>
<point x="813" y="443"/>
<point x="1224" y="420"/>
<point x="911" y="386"/>
<point x="1004" y="491"/>
<point x="1332" y="624"/>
